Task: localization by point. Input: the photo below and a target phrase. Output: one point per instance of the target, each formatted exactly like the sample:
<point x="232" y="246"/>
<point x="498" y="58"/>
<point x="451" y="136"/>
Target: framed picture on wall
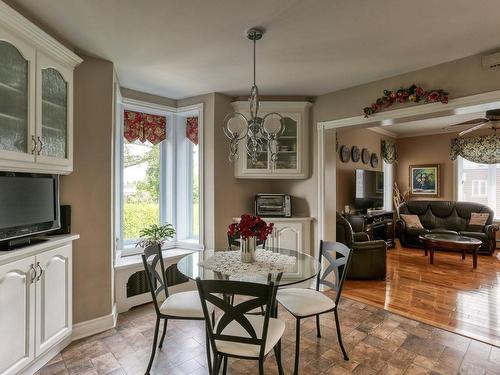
<point x="425" y="180"/>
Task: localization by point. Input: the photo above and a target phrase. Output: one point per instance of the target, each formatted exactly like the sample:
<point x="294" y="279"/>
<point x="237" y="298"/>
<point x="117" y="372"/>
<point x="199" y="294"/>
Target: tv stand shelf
<point x="378" y="226"/>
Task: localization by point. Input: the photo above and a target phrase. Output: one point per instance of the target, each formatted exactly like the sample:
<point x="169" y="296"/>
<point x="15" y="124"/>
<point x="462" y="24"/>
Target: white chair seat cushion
<point x="275" y="331"/>
<point x="183" y="305"/>
<point x="304" y="302"/>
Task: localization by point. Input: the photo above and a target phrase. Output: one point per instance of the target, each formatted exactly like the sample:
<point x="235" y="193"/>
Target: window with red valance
<point x="192" y="129"/>
<point x="144" y="127"/>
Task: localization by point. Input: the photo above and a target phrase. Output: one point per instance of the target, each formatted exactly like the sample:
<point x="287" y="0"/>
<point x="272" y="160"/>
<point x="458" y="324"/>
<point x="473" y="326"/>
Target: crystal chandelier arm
<point x="235" y="135"/>
<point x="281" y="130"/>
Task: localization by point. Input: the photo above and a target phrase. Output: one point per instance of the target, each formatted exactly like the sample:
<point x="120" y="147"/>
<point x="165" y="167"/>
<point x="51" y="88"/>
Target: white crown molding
<point x="458" y="106"/>
<point x="33" y="34"/>
<point x="384" y="132"/>
<point x="139" y="105"/>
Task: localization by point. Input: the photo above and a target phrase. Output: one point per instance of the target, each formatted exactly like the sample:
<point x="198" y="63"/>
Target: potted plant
<point x="249" y="229"/>
<point x="155" y="235"/>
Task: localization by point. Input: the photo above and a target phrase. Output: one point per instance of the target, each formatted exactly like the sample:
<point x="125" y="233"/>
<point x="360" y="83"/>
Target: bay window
<point x="479" y="183"/>
<point x="158" y="173"/>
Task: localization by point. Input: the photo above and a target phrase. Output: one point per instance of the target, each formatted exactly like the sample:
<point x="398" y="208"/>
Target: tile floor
<point x="378" y="342"/>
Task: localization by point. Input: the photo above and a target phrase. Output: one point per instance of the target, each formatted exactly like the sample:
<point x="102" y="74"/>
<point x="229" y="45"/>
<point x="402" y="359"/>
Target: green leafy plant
<point x="155" y="235"/>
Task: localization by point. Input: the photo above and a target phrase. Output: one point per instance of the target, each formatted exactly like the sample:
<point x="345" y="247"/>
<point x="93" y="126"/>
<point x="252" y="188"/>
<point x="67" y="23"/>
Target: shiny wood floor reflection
<point x="449" y="294"/>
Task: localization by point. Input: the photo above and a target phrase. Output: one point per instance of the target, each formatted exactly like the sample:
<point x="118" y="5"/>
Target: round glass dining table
<point x="296" y="266"/>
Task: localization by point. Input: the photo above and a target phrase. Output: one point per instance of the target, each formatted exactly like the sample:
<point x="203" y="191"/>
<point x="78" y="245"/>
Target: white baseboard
<point x="97" y="325"/>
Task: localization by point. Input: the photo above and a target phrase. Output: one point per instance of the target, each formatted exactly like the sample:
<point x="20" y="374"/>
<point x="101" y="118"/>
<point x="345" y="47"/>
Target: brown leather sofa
<point x="368" y="260"/>
<point x="446" y="217"/>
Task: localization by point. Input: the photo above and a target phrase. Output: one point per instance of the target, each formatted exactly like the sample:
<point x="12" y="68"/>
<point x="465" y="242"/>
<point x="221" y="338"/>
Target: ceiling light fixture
<point x="261" y="134"/>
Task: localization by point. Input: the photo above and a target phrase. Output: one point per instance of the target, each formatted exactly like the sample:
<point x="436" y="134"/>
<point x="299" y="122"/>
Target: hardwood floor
<point x="449" y="294"/>
<point x="377" y="341"/>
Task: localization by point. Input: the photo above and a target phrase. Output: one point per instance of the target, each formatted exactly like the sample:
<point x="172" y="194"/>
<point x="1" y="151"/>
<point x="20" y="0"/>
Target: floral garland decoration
<point x="413" y="94"/>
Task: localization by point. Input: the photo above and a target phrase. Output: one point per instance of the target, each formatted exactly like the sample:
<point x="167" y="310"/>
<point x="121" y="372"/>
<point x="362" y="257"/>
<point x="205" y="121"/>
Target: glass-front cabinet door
<point x="53" y="121"/>
<point x="291" y="148"/>
<point x="288" y="145"/>
<point x="17" y="93"/>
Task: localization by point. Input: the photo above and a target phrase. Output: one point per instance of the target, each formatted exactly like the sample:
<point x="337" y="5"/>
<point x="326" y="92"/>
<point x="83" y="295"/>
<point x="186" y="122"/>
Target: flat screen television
<point x="29" y="204"/>
<point x="369" y="189"/>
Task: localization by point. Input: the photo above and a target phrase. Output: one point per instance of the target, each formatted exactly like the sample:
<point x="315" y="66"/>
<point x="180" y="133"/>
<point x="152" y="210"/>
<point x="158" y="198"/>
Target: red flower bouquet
<point x="250" y="226"/>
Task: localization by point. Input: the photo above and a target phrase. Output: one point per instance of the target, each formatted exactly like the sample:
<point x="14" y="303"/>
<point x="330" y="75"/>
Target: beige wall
<point x="363" y="138"/>
<point x="431" y="149"/>
<point x="89" y="189"/>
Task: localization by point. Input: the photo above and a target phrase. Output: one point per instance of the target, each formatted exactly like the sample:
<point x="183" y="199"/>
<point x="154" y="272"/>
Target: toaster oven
<point x="279" y="205"/>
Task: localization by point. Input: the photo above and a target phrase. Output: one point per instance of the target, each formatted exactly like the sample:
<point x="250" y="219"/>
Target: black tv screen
<point x="29" y="203"/>
<point x="369" y="189"/>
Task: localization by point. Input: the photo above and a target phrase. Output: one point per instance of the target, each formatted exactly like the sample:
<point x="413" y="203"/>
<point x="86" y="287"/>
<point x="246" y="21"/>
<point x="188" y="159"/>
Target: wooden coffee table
<point x="450" y="242"/>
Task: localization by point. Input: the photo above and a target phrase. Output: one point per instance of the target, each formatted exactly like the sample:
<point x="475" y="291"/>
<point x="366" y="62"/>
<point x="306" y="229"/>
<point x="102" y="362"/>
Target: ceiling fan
<point x="491" y="117"/>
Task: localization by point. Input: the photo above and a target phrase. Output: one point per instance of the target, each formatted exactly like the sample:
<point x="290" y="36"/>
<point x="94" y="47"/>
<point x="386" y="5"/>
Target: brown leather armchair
<point x="368" y="258"/>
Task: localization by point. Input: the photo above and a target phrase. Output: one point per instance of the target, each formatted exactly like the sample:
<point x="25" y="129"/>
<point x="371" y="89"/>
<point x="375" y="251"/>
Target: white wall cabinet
<point x="292" y="148"/>
<point x="36" y="98"/>
<point x="35" y="304"/>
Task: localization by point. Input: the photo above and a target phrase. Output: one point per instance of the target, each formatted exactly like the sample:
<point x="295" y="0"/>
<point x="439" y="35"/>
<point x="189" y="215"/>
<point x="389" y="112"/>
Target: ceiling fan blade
<point x="479" y="126"/>
<point x="470" y="122"/>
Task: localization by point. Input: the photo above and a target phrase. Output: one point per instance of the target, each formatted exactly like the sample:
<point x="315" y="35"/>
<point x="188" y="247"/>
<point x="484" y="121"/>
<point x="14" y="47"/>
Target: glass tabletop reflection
<point x="299" y="266"/>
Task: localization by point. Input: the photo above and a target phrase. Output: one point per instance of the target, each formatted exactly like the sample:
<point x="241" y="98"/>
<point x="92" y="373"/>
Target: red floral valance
<point x="144" y="127"/>
<point x="192" y="129"/>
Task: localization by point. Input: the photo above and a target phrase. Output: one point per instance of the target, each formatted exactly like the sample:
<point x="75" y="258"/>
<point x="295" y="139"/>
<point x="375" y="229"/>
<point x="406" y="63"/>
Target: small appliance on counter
<point x="278" y="205"/>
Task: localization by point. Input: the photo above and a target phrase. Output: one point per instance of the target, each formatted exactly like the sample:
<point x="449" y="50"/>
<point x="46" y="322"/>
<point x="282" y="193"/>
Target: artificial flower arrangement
<point x="413" y="94"/>
<point x="250" y="226"/>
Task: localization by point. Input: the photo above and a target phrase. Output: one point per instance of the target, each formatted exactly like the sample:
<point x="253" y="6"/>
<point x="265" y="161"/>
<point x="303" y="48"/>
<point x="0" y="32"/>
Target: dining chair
<point x="304" y="302"/>
<point x="180" y="306"/>
<point x="236" y="333"/>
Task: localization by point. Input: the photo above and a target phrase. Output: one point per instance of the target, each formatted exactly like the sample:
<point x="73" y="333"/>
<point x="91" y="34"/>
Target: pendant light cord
<point x="254" y="42"/>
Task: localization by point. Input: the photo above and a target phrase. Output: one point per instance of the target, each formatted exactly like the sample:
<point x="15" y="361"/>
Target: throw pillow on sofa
<point x="412" y="221"/>
<point x="477" y="221"/>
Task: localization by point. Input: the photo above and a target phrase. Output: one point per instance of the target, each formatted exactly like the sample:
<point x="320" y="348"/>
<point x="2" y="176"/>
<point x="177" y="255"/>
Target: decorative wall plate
<point x="365" y="156"/>
<point x="355" y="154"/>
<point x="374" y="160"/>
<point x="345" y="154"/>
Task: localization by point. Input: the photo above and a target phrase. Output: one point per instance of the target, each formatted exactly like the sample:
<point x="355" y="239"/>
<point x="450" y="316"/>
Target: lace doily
<point x="266" y="262"/>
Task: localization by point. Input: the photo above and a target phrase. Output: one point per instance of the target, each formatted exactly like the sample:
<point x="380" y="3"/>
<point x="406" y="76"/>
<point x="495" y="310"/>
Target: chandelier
<point x="260" y="134"/>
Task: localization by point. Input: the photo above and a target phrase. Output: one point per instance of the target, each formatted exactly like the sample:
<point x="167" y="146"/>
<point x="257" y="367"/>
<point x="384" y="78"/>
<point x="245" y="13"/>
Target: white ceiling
<point x="180" y="48"/>
<point x="429" y="126"/>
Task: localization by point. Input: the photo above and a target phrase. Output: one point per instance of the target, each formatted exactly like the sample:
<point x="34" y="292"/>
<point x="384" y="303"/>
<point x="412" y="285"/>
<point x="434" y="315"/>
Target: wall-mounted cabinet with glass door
<point x="292" y="148"/>
<point x="54" y="93"/>
<point x="36" y="112"/>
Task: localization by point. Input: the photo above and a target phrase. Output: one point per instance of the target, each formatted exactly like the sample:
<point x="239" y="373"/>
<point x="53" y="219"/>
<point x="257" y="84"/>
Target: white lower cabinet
<point x="292" y="234"/>
<point x="35" y="306"/>
<point x="53" y="292"/>
<point x="17" y="315"/>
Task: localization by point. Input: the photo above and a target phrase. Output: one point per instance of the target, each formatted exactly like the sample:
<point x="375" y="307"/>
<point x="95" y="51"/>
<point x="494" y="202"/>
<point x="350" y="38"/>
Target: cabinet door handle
<point x="41" y="271"/>
<point x="32" y="272"/>
<point x="41" y="146"/>
<point x="33" y="149"/>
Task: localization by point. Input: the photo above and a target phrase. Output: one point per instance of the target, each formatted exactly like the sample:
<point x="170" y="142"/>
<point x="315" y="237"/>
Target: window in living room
<point x="479" y="183"/>
<point x="158" y="169"/>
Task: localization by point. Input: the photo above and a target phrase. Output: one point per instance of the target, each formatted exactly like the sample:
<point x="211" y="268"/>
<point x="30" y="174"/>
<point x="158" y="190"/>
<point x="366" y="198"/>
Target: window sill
<point x="132" y="261"/>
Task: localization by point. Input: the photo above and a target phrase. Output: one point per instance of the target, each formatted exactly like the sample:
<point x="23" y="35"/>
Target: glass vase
<point x="247" y="248"/>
